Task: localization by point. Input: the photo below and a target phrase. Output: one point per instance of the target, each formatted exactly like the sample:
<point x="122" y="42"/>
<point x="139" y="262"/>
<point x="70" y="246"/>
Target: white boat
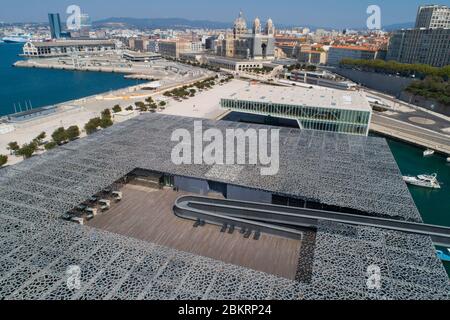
<point x="428" y="153"/>
<point x="426" y="181"/>
<point x="448" y="159"/>
<point x="16" y="38"/>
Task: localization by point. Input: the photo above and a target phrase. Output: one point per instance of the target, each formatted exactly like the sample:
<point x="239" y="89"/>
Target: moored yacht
<point x="426" y="181"/>
<point x="16" y="38"/>
<point x="428" y="153"/>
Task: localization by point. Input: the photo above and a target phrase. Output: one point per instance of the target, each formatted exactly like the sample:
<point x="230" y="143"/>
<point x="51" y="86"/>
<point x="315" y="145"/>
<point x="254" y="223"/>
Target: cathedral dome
<point x="240" y="24"/>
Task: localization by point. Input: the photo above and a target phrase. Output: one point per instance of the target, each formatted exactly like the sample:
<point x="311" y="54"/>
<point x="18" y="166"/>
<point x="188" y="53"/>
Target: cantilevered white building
<point x="325" y="110"/>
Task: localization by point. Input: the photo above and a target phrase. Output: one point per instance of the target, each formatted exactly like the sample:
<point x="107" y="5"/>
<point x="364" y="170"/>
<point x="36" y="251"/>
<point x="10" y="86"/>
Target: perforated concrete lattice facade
<point x="36" y="246"/>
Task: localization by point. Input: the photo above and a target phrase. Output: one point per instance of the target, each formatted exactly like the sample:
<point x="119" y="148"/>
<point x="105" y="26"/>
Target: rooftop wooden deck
<point x="147" y="214"/>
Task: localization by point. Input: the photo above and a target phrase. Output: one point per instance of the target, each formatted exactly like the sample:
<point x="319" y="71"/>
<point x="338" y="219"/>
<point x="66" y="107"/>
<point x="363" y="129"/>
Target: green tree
<point x="162" y="104"/>
<point x="393" y="67"/>
<point x="96" y="121"/>
<point x="153" y="107"/>
<point x="117" y="108"/>
<point x="105" y="123"/>
<point x="51" y="145"/>
<point x="129" y="108"/>
<point x="3" y="160"/>
<point x="92" y="125"/>
<point x="106" y="113"/>
<point x="40" y="138"/>
<point x="139" y="104"/>
<point x="13" y="147"/>
<point x="73" y="132"/>
<point x="60" y="135"/>
<point x="27" y="150"/>
<point x="434" y="88"/>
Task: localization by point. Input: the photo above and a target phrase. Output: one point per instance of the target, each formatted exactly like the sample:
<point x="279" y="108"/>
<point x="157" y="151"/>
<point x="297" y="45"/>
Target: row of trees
<point x="182" y="92"/>
<point x="104" y="121"/>
<point x="227" y="79"/>
<point x="195" y="64"/>
<point x="263" y="70"/>
<point x="60" y="136"/>
<point x="27" y="149"/>
<point x="298" y="66"/>
<point x="190" y="91"/>
<point x="420" y="71"/>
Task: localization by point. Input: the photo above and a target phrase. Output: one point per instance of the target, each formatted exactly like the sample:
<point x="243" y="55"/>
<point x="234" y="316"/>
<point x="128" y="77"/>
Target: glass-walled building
<point x="314" y="109"/>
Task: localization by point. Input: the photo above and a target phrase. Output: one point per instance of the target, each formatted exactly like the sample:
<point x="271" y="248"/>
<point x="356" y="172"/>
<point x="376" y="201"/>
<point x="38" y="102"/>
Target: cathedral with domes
<point x="257" y="43"/>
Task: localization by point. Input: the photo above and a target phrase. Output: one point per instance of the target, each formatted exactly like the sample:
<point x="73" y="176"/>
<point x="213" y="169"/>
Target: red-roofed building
<point x="337" y="53"/>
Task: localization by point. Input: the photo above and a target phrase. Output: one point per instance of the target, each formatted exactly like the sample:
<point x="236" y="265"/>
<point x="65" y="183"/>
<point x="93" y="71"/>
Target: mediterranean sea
<point x="433" y="204"/>
<point x="43" y="87"/>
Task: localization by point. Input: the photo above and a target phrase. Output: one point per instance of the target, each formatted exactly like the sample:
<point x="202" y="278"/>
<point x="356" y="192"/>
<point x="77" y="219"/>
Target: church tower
<point x="257" y="26"/>
<point x="270" y="28"/>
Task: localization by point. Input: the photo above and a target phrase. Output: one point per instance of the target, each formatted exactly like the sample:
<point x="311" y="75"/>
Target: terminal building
<point x="324" y="110"/>
<point x="234" y="65"/>
<point x="140" y="56"/>
<point x="62" y="48"/>
<point x="323" y="79"/>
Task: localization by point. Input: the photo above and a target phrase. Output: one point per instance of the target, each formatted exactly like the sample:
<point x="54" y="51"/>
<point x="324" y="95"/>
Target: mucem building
<point x="324" y="170"/>
<point x="326" y="110"/>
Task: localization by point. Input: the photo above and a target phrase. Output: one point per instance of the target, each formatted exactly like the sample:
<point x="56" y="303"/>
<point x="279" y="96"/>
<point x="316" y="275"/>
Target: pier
<point x="411" y="134"/>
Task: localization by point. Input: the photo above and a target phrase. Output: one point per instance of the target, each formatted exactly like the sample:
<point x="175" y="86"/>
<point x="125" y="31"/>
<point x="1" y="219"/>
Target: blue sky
<point x="327" y="13"/>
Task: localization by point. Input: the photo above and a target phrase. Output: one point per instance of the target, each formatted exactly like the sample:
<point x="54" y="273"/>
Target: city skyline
<point x="348" y="14"/>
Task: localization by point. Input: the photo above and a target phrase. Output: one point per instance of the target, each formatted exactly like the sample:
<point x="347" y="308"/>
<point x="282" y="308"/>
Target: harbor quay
<point x="25" y="126"/>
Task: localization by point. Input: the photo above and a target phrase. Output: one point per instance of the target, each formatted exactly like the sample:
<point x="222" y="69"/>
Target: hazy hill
<point x="163" y="23"/>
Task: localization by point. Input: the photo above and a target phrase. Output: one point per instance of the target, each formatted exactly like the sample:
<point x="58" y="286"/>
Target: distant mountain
<point x="399" y="26"/>
<point x="163" y="23"/>
<point x="180" y="23"/>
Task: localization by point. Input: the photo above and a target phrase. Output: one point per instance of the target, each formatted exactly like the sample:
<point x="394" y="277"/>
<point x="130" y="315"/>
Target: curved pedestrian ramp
<point x="289" y="221"/>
